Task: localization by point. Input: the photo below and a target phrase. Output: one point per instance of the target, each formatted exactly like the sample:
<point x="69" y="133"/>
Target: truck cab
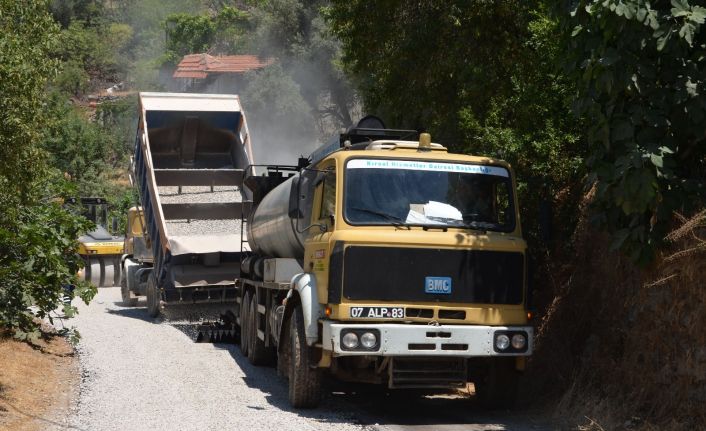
<point x="413" y="269"/>
<point x="136" y="263"/>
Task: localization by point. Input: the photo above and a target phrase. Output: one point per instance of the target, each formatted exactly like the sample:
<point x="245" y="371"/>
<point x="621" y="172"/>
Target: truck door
<point x="316" y="247"/>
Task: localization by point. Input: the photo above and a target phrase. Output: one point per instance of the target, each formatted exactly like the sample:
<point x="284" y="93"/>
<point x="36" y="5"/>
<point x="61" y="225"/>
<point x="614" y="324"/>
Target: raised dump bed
<point x="190" y="155"/>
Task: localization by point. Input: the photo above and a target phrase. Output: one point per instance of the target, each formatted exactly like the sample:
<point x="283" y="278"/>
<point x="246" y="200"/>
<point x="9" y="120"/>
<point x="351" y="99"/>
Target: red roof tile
<point x="200" y="65"/>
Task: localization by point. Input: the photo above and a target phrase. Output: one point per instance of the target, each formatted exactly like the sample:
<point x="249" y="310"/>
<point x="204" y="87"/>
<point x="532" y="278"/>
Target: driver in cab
<point x="473" y="199"/>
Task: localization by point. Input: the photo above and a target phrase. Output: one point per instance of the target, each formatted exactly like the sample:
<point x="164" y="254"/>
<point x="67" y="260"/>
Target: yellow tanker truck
<point x="386" y="260"/>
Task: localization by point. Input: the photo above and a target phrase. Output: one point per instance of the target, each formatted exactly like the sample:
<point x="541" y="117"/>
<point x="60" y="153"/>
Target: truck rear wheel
<point x="153" y="298"/>
<point x="258" y="354"/>
<point x="497" y="387"/>
<point x="129" y="299"/>
<point x="244" y="324"/>
<point x="304" y="380"/>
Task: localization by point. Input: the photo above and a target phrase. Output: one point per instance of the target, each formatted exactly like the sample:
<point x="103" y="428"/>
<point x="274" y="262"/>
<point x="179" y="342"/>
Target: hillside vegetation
<point x="599" y="105"/>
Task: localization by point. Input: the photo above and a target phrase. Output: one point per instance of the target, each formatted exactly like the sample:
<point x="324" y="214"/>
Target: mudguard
<point x="304" y="286"/>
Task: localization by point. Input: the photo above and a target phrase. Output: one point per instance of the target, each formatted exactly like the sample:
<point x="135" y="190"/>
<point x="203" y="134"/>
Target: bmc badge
<point x="437" y="285"/>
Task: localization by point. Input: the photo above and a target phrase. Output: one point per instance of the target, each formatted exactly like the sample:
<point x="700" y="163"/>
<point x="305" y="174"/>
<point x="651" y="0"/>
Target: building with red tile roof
<point x="204" y="71"/>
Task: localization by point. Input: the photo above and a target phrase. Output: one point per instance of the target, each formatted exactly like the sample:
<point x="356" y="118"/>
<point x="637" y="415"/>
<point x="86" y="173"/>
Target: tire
<point x="129" y="300"/>
<point x="304" y="380"/>
<point x="109" y="272"/>
<point x="118" y="271"/>
<point x="244" y="324"/>
<point x="497" y="387"/>
<point x="258" y="354"/>
<point x="94" y="272"/>
<point x="153" y="297"/>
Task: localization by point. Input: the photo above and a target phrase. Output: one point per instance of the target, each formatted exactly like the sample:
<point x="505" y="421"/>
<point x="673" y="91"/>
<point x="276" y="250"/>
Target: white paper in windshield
<point x="434" y="213"/>
<point x="416" y="165"/>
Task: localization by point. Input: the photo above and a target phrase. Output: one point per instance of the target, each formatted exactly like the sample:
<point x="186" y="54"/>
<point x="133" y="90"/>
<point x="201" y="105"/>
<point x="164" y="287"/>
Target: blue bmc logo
<point x="437" y="285"/>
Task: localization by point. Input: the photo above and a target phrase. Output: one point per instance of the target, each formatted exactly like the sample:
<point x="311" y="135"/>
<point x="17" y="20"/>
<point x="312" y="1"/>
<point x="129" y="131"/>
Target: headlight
<point x="502" y="342"/>
<point x="368" y="340"/>
<point x="519" y="341"/>
<point x="350" y="340"/>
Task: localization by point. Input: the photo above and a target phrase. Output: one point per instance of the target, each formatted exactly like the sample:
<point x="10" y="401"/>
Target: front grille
<point x="427" y="373"/>
<point x="398" y="274"/>
<point x="422" y="313"/>
<point x="452" y="314"/>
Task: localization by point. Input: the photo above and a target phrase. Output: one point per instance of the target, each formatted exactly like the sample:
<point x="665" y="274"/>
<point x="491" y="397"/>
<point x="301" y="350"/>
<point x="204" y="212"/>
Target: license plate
<point x="377" y="312"/>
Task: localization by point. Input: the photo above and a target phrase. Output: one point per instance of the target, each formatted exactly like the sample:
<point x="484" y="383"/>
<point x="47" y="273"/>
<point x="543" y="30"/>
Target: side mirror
<point x="294" y="211"/>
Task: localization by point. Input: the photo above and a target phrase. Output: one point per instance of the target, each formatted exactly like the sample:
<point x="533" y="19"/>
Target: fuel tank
<point x="271" y="232"/>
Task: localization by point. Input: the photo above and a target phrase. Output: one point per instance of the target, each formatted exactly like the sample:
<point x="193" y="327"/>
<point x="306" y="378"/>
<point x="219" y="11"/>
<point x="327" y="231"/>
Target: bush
<point x="38" y="263"/>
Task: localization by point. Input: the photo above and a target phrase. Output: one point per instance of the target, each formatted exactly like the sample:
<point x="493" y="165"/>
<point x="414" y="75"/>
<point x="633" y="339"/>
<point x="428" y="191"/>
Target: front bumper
<point x="425" y="340"/>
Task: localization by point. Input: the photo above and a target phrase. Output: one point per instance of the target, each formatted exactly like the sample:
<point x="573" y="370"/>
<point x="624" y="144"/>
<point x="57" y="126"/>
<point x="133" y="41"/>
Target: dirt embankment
<point x="36" y="384"/>
<point x="623" y="347"/>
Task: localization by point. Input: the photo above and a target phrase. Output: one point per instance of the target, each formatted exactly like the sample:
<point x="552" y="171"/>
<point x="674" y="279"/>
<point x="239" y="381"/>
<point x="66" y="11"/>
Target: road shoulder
<point x="37" y="385"/>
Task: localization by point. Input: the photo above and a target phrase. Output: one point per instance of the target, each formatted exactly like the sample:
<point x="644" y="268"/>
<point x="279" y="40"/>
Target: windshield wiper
<point x="480" y="225"/>
<point x="396" y="221"/>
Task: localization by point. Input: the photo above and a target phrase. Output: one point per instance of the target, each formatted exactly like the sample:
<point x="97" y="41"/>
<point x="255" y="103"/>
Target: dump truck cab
<point x="135" y="239"/>
<point x="136" y="263"/>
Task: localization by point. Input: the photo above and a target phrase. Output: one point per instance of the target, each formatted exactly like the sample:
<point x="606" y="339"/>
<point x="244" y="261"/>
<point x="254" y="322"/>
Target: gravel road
<point x="139" y="373"/>
<point x="145" y="374"/>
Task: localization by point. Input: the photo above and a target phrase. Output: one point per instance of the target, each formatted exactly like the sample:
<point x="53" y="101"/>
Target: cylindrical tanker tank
<point x="271" y="232"/>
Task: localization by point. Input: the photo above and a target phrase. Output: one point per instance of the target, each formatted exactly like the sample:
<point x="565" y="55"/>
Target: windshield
<point x="408" y="192"/>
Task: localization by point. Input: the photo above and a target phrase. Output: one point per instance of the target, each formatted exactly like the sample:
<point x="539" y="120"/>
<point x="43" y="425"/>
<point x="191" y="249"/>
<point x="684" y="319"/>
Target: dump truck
<point x="100" y="249"/>
<point x="183" y="243"/>
<point x="386" y="259"/>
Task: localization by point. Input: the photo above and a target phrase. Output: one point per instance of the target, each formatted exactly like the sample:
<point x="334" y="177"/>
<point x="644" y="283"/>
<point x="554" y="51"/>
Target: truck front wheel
<point x="304" y="380"/>
<point x="129" y="299"/>
<point x="153" y="298"/>
<point x="496" y="388"/>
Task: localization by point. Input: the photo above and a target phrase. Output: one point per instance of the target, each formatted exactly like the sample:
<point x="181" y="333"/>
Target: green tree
<point x="75" y="146"/>
<point x="66" y="11"/>
<point x="194" y="34"/>
<point x="418" y="64"/>
<point x="479" y="75"/>
<point x="639" y="69"/>
<point x="296" y="33"/>
<point x="37" y="235"/>
<point x="187" y="34"/>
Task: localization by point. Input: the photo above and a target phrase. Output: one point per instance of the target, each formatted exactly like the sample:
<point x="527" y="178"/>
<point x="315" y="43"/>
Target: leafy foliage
<point x="392" y="48"/>
<point x="38" y="264"/>
<point x="191" y="34"/>
<point x="639" y="69"/>
<point x="28" y="36"/>
<point x="67" y="11"/>
<point x="74" y="145"/>
<point x="297" y="34"/>
<point x="311" y="87"/>
<point x="479" y="75"/>
<point x="37" y="235"/>
<point x="92" y="55"/>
